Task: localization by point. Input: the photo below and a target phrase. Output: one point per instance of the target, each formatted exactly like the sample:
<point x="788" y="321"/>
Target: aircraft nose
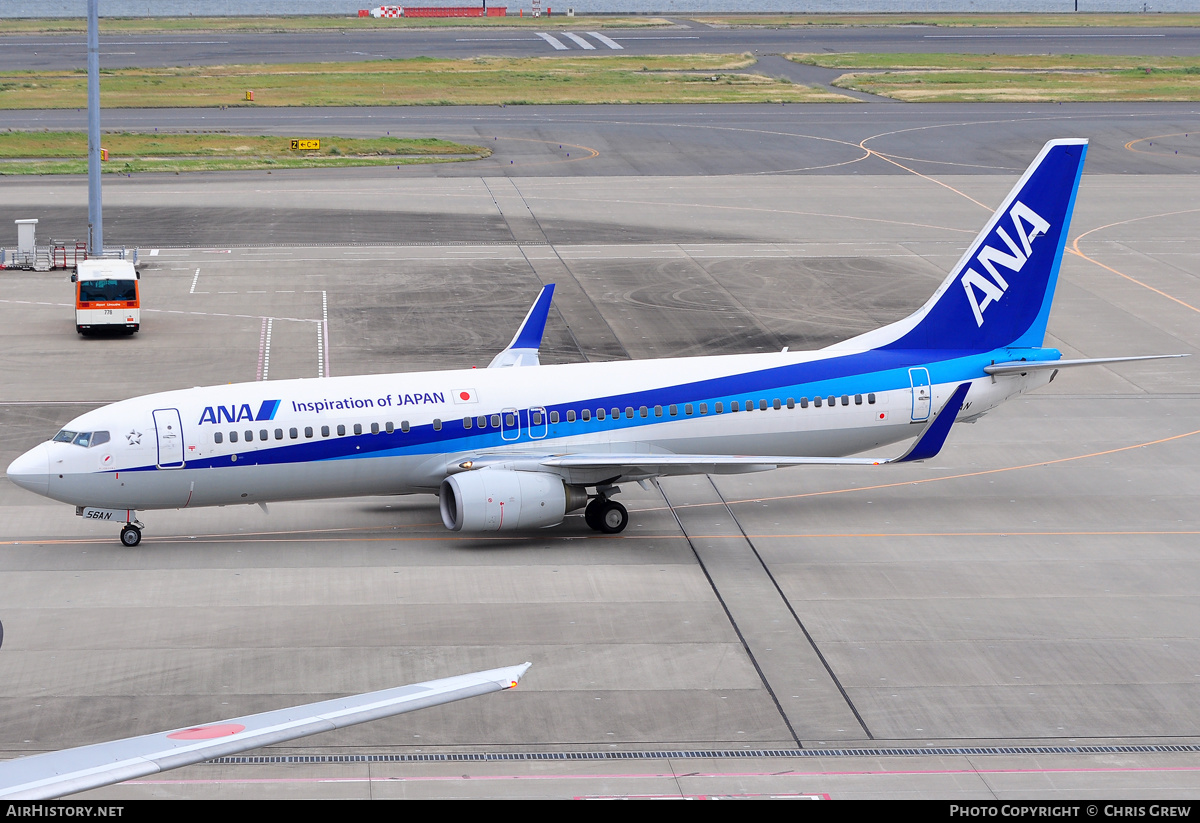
<point x="32" y="470"/>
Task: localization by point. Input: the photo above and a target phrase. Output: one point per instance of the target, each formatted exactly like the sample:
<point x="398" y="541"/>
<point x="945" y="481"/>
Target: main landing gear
<point x="605" y="515"/>
<point x="131" y="535"/>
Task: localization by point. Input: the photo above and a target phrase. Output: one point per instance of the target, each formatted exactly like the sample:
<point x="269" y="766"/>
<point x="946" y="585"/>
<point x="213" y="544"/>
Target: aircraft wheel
<point x="591" y="514"/>
<point x="613" y="518"/>
<point x="131" y="535"/>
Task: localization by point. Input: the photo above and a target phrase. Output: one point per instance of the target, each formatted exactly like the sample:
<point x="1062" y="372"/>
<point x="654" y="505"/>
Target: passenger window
<point x="673" y="410"/>
<point x="374" y="428"/>
<point x="704" y="408"/>
<point x="537" y="418"/>
<point x="735" y="406"/>
<point x="553" y="417"/>
<point x="308" y="431"/>
<point x="775" y="405"/>
<point x="871" y="397"/>
<point x="719" y="407"/>
<point x="858" y="399"/>
<point x="831" y="400"/>
<point x="658" y="411"/>
<point x="218" y="437"/>
<point x="293" y="433"/>
<point x="643" y="411"/>
<point x="762" y="405"/>
<point x="263" y="434"/>
<point x="324" y="431"/>
<point x="845" y="400"/>
<point x="570" y="415"/>
<point x="468" y="422"/>
<point x="749" y="405"/>
<point x="390" y="427"/>
<point x="587" y="415"/>
<point x="616" y="414"/>
<point x="629" y="412"/>
<point x="341" y="429"/>
<point x="358" y="428"/>
<point x="791" y="402"/>
<point x="600" y="414"/>
<point x="437" y="425"/>
<point x="482" y="421"/>
<point x="817" y="402"/>
<point x="233" y="437"/>
<point x="279" y="434"/>
<point x="495" y="421"/>
<point x="510" y="419"/>
<point x="404" y="426"/>
<point x="687" y="409"/>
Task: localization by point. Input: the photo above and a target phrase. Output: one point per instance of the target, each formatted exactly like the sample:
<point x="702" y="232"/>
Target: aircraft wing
<point x="589" y="469"/>
<point x="55" y="774"/>
<point x="523" y="349"/>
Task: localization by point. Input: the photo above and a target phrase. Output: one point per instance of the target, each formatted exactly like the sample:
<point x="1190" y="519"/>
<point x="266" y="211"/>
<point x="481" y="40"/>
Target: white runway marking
<point x="554" y="41"/>
<point x="579" y="41"/>
<point x="612" y="44"/>
<point x="192" y="290"/>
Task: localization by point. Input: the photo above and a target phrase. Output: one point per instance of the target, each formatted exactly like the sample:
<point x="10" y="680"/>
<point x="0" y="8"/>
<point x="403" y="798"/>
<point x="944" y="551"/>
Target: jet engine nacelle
<point x="491" y="500"/>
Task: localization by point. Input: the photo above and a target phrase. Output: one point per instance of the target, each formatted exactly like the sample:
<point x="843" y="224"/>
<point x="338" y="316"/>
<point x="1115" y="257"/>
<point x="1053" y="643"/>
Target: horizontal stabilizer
<point x="1022" y="366"/>
<point x="75" y="770"/>
<point x="523" y="350"/>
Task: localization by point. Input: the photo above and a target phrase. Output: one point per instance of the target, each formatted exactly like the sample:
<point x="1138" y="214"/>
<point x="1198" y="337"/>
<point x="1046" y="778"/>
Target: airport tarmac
<point x="1016" y="618"/>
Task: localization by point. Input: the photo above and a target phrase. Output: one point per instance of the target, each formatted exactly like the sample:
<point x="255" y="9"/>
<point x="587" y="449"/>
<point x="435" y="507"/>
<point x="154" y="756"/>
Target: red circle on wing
<point x="465" y="395"/>
<point x="207" y="732"/>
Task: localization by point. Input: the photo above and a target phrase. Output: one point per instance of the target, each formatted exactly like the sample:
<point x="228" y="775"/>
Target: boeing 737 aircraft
<point x="519" y="445"/>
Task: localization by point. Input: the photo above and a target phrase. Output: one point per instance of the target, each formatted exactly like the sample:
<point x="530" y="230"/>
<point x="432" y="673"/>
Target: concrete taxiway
<point x="889" y="632"/>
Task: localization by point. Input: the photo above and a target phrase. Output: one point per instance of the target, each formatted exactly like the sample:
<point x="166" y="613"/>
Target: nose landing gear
<point x="131" y="535"/>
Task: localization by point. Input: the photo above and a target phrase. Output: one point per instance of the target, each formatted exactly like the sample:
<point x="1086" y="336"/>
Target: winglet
<point x="934" y="437"/>
<point x="523" y="350"/>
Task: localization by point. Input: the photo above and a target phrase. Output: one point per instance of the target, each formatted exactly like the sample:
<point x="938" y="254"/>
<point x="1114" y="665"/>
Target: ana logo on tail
<point x="1028" y="225"/>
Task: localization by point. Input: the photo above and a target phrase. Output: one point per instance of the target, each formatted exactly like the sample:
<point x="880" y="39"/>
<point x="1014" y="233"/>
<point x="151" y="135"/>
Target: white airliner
<point x="55" y="774"/>
<point x="519" y="445"/>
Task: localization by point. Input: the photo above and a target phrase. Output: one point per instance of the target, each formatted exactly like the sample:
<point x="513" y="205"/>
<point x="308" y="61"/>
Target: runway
<point x="356" y="42"/>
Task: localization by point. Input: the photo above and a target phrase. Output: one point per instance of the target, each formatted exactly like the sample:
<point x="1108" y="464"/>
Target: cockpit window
<point x="85" y="439"/>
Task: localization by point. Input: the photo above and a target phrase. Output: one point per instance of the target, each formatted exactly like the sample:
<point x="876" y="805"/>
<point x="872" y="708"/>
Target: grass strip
<point x="418" y="81"/>
<point x="948" y="78"/>
<point x="49" y="152"/>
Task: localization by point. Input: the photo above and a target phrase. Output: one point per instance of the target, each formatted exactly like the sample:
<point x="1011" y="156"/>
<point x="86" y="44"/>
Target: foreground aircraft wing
<point x="75" y="770"/>
<point x="1022" y="366"/>
<point x="523" y="350"/>
<point x="589" y="468"/>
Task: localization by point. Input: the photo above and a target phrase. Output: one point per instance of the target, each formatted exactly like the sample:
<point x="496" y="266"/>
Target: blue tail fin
<point x="1000" y="292"/>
